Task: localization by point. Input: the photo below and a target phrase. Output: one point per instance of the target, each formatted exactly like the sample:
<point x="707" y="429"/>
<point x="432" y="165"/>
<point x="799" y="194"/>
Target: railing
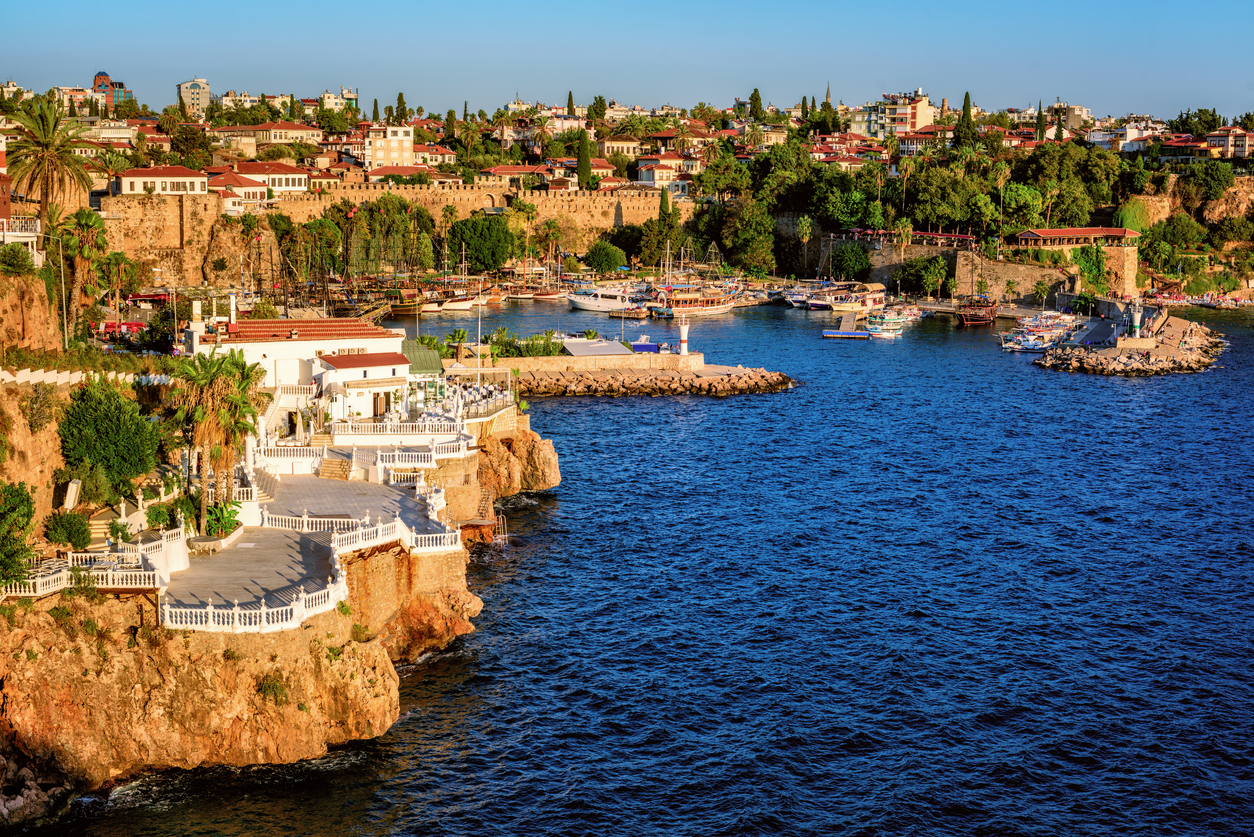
<point x="450" y="450"/>
<point x="87" y="559"/>
<point x="19" y="225"/>
<point x="104" y="578"/>
<point x="396" y="530"/>
<point x="406" y="459"/>
<point x="297" y="389"/>
<point x="291" y="453"/>
<point x="261" y="619"/>
<point x="305" y="523"/>
<point x="404" y="478"/>
<point x="239" y="494"/>
<point x="361" y="428"/>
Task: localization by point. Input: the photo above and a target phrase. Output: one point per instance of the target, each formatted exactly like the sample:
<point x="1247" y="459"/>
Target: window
<point x="203" y="183"/>
<point x="363" y="372"/>
<point x="132" y="185"/>
<point x="163" y="186"/>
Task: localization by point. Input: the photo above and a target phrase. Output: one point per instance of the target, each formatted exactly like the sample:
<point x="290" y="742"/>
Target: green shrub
<point x="120" y="532"/>
<point x="222" y="519"/>
<point x="17" y="509"/>
<point x="271" y="687"/>
<point x="83" y="584"/>
<point x="343" y="609"/>
<point x="15" y="260"/>
<point x="303" y="707"/>
<point x="64" y="618"/>
<point x="40" y="407"/>
<point x="150" y="493"/>
<point x="231" y="655"/>
<point x="90" y="627"/>
<point x="157" y="516"/>
<point x="361" y="633"/>
<point x="31" y="655"/>
<point x="333" y="654"/>
<point x="26" y="603"/>
<point x="68" y="528"/>
<point x="9" y="612"/>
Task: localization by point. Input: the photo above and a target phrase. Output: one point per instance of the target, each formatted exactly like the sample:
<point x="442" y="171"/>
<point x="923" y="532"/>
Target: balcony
<point x="19" y="226"/>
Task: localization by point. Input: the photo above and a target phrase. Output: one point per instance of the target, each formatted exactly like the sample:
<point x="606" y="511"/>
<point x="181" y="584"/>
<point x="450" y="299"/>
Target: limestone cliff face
<point x="31" y="458"/>
<point x="26" y="318"/>
<point x="524" y="462"/>
<point x="99" y="695"/>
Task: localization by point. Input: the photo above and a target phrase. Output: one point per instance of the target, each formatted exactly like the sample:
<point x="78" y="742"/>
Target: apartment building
<point x="388" y="145"/>
<point x="194" y="94"/>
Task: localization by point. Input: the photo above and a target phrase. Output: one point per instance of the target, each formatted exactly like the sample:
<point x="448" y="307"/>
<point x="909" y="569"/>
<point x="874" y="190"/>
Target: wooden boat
<point x="693" y="303"/>
<point x="976" y="310"/>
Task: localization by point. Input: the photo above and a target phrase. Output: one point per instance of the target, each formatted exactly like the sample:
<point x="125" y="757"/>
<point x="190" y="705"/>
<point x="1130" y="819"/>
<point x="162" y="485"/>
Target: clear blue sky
<point x="1113" y="58"/>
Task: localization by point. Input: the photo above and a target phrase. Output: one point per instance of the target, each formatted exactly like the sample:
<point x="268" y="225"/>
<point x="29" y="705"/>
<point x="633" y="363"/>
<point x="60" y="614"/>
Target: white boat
<point x="600" y="299"/>
<point x="458" y="303"/>
<point x="432" y="305"/>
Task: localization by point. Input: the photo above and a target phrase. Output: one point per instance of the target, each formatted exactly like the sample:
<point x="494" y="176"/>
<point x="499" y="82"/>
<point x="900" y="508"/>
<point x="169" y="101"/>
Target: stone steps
<point x="335" y="469"/>
<point x="318" y="440"/>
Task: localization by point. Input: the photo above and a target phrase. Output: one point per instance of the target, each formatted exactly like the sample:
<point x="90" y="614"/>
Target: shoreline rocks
<point x="1196" y="350"/>
<point x="617" y="382"/>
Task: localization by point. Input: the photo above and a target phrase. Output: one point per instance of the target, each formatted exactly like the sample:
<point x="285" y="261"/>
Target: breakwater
<point x="709" y="380"/>
<point x="1179" y="347"/>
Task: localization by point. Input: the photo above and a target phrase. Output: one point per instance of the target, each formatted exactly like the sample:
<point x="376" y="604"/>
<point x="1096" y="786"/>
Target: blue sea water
<point x="933" y="590"/>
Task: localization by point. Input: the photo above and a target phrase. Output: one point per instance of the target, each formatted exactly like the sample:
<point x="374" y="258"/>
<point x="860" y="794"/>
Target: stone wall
<point x="635" y="360"/>
<point x="27" y="319"/>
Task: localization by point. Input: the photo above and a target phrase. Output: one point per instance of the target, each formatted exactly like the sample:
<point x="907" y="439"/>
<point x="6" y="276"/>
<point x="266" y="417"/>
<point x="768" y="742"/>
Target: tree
<point x="111" y="164"/>
<point x="488" y="241"/>
<point x="450" y="125"/>
<point x="1041" y="290"/>
<point x="457" y="336"/>
<point x="585" y="160"/>
<point x="103" y="427"/>
<point x="15" y="260"/>
<point x="1213" y="177"/>
<point x="755" y="106"/>
<point x="237" y="417"/>
<point x="199" y="388"/>
<point x="1059" y="134"/>
<point x="805" y="110"/>
<point x="596" y="111"/>
<point x="749" y="235"/>
<point x="1040" y="122"/>
<point x="117" y="271"/>
<point x="401" y="112"/>
<point x="426" y="252"/>
<point x="570" y="103"/>
<point x="42" y="160"/>
<point x="849" y="261"/>
<point x="604" y="257"/>
<point x="85" y="242"/>
<point x="374" y="116"/>
<point x="805" y="231"/>
<point x="17" y="511"/>
<point x="965" y="133"/>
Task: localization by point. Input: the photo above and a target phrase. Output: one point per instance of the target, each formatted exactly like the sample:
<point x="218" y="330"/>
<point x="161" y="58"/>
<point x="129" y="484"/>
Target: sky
<point x="1115" y="59"/>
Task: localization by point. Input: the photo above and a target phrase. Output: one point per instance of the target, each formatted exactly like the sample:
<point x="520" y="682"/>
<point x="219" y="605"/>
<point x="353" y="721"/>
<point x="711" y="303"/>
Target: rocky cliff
<point x="26" y="317"/>
<point x="523" y="462"/>
<point x="29" y="457"/>
<point x="93" y="693"/>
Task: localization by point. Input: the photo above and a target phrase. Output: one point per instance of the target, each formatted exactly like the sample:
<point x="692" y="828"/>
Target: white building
<point x="389" y="145"/>
<point x="194" y="94"/>
<point x="163" y="180"/>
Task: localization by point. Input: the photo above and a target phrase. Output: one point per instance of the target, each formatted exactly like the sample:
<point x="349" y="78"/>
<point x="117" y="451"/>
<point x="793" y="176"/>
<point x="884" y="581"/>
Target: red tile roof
<point x="264" y="331"/>
<point x="268" y="168"/>
<point x="163" y="171"/>
<point x="230" y="179"/>
<point x="364" y="361"/>
<point x="1081" y="232"/>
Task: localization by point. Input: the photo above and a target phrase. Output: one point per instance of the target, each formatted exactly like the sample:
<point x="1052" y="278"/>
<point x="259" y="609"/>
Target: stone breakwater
<point x="1197" y="350"/>
<point x="711" y="380"/>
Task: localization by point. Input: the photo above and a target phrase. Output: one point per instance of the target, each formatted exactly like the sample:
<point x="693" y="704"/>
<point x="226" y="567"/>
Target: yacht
<point x="600" y="299"/>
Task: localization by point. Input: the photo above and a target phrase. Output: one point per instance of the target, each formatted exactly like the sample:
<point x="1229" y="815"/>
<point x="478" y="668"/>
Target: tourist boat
<point x="862" y="300"/>
<point x="458" y="303"/>
<point x="549" y="296"/>
<point x="881" y="332"/>
<point x="692" y="303"/>
<point x="819" y="303"/>
<point x="520" y="295"/>
<point x="887" y="321"/>
<point x="600" y="299"/>
<point x="976" y="309"/>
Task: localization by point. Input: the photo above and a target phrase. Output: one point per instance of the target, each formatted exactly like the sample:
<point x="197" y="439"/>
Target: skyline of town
<point x="1003" y="56"/>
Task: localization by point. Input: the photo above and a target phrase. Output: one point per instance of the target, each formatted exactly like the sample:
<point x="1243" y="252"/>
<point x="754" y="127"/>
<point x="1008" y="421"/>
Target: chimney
<point x="232" y="296"/>
<point x="944" y="106"/>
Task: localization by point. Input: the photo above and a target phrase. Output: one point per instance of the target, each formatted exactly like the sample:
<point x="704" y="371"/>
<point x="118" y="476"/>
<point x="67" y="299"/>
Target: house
<point x="245" y="189"/>
<point x="271" y="132"/>
<point x="1231" y="141"/>
<point x="895" y="113"/>
<point x="376" y="175"/>
<point x="320" y="181"/>
<point x="388" y="145"/>
<point x="280" y="177"/>
<point x="163" y="180"/>
<point x="288" y="350"/>
<point x="1077" y="237"/>
<point x="623" y="144"/>
<point x="656" y="174"/>
<point x="516" y="174"/>
<point x="433" y="155"/>
<point x="362" y="385"/>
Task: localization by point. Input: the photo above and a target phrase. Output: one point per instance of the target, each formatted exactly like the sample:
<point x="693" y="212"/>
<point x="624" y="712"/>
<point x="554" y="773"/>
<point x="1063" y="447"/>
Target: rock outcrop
<point x="27" y="319"/>
<point x="94" y="693"/>
<point x="29" y="457"/>
<point x="523" y="462"/>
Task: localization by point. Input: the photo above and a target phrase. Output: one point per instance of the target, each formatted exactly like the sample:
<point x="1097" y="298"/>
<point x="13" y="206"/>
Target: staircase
<point x="98" y="525"/>
<point x="335" y="469"/>
<point x="485" y="511"/>
<point x="318" y="440"/>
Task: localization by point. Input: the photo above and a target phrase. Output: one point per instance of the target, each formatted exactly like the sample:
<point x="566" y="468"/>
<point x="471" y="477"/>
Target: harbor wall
<point x="636" y="360"/>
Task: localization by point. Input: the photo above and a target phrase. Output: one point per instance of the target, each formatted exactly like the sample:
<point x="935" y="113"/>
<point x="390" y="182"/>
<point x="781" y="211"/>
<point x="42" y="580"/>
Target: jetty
<point x="1175" y="345"/>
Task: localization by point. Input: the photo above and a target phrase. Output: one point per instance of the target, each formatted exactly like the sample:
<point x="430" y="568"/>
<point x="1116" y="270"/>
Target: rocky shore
<point x="1185" y="347"/>
<point x="716" y="381"/>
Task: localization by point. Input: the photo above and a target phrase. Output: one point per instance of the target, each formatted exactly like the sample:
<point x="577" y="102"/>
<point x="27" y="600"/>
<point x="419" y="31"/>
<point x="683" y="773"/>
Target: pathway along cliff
<point x="93" y="692"/>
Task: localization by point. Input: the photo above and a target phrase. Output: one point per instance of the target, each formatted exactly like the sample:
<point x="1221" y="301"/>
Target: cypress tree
<point x="1058" y="130"/>
<point x="811" y="104"/>
<point x="402" y="112"/>
<point x="465" y="110"/>
<point x="1040" y="122"/>
<point x="374" y="117"/>
<point x="965" y="133"/>
<point x="73" y="110"/>
<point x="664" y="211"/>
<point x="450" y="125"/>
<point x="805" y="109"/>
<point x="585" y="161"/>
<point x="755" y="106"/>
<point x="570" y="103"/>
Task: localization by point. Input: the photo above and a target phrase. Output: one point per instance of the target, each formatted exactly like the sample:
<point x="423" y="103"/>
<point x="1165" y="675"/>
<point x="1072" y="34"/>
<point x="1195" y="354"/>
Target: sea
<point x="931" y="590"/>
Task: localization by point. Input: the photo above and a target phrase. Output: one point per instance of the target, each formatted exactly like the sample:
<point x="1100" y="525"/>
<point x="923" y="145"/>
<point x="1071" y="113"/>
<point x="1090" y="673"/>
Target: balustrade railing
<point x="362" y="428"/>
<point x="297" y="389"/>
<point x="291" y="453"/>
<point x="306" y="523"/>
<point x="257" y="619"/>
<point x="239" y="494"/>
<point x="105" y="578"/>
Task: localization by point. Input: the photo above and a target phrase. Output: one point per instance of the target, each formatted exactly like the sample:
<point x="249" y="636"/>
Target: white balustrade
<point x="105" y="578"/>
<point x="409" y="428"/>
<point x="297" y="389"/>
<point x="305" y="523"/>
<point x="291" y="453"/>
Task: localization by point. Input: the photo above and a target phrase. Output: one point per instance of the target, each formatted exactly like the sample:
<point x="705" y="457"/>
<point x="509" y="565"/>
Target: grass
<point x="333" y="654"/>
<point x="231" y="655"/>
<point x="343" y="609"/>
<point x="31" y="655"/>
<point x="90" y="627"/>
<point x="64" y="618"/>
<point x="271" y="687"/>
<point x="361" y="633"/>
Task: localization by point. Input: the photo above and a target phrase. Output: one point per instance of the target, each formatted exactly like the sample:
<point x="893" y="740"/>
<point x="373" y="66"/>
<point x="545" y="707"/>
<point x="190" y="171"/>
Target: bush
<point x="40" y="407"/>
<point x="157" y="516"/>
<point x="604" y="257"/>
<point x="271" y="687"/>
<point x="231" y="655"/>
<point x="333" y="654"/>
<point x="68" y="528"/>
<point x="361" y="633"/>
<point x="343" y="609"/>
<point x="17" y="510"/>
<point x="9" y="612"/>
<point x="83" y="584"/>
<point x="103" y="426"/>
<point x="15" y="260"/>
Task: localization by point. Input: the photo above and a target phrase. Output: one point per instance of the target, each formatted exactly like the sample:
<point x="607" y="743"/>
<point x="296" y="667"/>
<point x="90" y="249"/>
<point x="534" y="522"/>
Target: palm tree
<point x="1001" y="176"/>
<point x="115" y="268"/>
<point x="457" y="336"/>
<point x="85" y="242"/>
<point x="683" y="138"/>
<point x="237" y="416"/>
<point x="753" y="137"/>
<point x="805" y="230"/>
<point x="42" y="158"/>
<point x="541" y="134"/>
<point x="111" y="164"/>
<point x="201" y="385"/>
<point x="906" y="167"/>
<point x="448" y="215"/>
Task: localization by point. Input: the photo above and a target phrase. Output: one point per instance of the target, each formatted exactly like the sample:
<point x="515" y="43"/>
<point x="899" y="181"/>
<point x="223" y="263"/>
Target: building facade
<point x="194" y="94"/>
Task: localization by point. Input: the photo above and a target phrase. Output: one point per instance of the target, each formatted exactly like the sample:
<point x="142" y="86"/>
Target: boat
<point x="887" y="321"/>
<point x="458" y="303"/>
<point x="976" y="309"/>
<point x="836" y="334"/>
<point x="862" y="299"/>
<point x="600" y="299"/>
<point x="637" y="313"/>
<point x="693" y="303"/>
<point x="520" y="296"/>
<point x="548" y="296"/>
